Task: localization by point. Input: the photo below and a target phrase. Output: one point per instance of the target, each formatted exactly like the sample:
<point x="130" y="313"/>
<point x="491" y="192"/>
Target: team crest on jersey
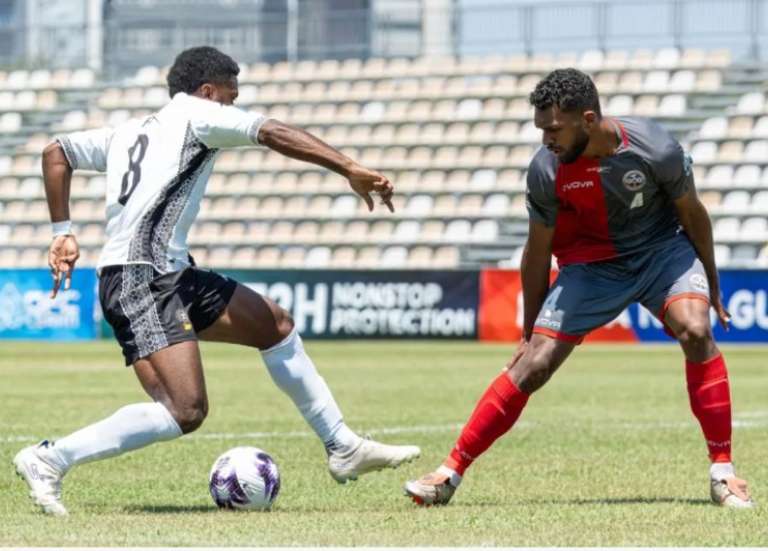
<point x="634" y="180"/>
<point x="699" y="282"/>
<point x="183" y="318"/>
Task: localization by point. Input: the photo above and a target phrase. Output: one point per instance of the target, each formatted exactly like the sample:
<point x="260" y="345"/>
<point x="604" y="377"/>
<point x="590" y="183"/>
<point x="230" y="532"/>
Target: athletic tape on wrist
<point x="62" y="228"/>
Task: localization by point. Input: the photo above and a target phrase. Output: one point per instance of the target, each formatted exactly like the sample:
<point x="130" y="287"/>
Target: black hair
<point x="569" y="89"/>
<point x="197" y="66"/>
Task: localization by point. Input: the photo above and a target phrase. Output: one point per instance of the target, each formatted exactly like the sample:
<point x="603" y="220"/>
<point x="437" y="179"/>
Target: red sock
<point x="711" y="404"/>
<point x="495" y="413"/>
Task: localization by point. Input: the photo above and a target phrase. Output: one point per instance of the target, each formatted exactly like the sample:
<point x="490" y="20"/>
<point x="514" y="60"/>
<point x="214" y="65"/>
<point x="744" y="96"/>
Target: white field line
<point x="754" y="419"/>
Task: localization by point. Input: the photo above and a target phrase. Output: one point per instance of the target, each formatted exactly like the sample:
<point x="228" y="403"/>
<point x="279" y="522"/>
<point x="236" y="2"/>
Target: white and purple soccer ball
<point x="244" y="478"/>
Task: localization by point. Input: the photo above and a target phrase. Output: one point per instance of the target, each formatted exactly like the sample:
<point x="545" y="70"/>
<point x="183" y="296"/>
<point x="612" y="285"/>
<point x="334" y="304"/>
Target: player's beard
<point x="579" y="145"/>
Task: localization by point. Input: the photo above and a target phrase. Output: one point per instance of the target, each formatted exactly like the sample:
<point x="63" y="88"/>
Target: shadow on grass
<point x="170" y="509"/>
<point x="638" y="500"/>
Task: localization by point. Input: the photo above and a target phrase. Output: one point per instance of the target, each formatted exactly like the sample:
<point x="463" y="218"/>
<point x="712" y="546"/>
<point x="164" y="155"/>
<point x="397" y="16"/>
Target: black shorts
<point x="150" y="311"/>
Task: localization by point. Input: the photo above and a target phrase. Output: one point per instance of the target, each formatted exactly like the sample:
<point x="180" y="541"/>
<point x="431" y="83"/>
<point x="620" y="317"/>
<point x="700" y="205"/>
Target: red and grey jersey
<point x="614" y="206"/>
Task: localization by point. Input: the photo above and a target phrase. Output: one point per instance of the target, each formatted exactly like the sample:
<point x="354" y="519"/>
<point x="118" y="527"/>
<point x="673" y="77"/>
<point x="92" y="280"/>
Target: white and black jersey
<point x="157" y="169"/>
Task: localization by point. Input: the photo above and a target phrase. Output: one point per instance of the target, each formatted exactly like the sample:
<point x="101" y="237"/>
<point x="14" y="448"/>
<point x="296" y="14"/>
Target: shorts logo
<point x="699" y="282"/>
<point x="634" y="180"/>
<point x="183" y="318"/>
<point x="552" y="324"/>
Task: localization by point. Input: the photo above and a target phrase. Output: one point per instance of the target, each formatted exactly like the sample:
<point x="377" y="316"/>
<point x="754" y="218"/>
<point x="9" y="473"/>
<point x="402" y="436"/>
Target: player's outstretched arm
<point x="64" y="250"/>
<point x="695" y="220"/>
<point x="296" y="143"/>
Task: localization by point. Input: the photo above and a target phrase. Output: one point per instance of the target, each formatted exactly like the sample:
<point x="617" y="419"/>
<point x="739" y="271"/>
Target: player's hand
<point x="521" y="348"/>
<point x="62" y="255"/>
<point x="722" y="314"/>
<point x="364" y="182"/>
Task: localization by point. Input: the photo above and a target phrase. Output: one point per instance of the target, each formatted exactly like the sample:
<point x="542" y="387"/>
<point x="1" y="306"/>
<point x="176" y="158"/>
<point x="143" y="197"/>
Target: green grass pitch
<point x="607" y="453"/>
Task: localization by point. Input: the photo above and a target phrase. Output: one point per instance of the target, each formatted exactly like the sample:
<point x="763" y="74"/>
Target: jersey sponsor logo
<point x="578" y="185"/>
<point x="634" y="180"/>
<point x="699" y="282"/>
<point x="599" y="169"/>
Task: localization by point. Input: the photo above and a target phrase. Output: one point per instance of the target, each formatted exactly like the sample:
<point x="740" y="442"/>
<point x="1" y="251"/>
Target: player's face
<point x="221" y="92"/>
<point x="564" y="134"/>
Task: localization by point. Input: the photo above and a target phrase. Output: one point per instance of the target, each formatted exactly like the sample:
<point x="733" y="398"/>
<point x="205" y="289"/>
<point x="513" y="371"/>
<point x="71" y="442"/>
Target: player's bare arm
<point x="64" y="250"/>
<point x="534" y="272"/>
<point x="695" y="220"/>
<point x="296" y="143"/>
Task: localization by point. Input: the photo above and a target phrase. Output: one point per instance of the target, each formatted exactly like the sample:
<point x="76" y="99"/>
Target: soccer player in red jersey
<point x="614" y="200"/>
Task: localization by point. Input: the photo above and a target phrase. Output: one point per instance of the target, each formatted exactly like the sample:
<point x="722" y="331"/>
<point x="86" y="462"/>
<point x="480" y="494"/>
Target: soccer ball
<point x="244" y="478"/>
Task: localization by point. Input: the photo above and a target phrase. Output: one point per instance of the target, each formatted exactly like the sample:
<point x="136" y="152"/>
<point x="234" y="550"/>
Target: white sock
<point x="295" y="374"/>
<point x="129" y="428"/>
<point x="453" y="477"/>
<point x="721" y="471"/>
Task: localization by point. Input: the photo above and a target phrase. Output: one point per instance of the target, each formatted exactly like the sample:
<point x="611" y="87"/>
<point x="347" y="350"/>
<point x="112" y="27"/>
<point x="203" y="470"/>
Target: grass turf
<point x="607" y="453"/>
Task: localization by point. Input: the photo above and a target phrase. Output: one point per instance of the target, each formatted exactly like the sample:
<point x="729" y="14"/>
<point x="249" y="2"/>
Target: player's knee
<point x="534" y="373"/>
<point x="283" y="323"/>
<point x="190" y="417"/>
<point x="695" y="333"/>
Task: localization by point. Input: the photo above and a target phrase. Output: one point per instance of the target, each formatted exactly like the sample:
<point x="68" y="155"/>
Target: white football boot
<point x="431" y="489"/>
<point x="42" y="478"/>
<point x="368" y="457"/>
<point x="731" y="492"/>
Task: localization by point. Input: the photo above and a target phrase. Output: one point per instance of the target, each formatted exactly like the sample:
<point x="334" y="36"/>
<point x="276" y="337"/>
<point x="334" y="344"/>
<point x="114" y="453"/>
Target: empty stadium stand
<point x="454" y="135"/>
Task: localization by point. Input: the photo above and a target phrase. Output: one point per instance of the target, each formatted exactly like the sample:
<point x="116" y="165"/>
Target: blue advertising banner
<point x="28" y="312"/>
<point x="373" y="304"/>
<point x="745" y="296"/>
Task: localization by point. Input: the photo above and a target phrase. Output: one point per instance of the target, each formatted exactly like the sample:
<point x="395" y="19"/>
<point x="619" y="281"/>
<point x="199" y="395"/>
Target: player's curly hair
<point x="196" y="66"/>
<point x="569" y="89"/>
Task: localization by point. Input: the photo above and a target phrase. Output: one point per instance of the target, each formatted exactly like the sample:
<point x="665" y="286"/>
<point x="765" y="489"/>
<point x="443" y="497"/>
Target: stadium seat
<point x="31" y="258"/>
<point x="720" y="176"/>
<point x="740" y="127"/>
<point x="726" y="229"/>
<point x="760" y="128"/>
<point x="735" y="202"/>
<point x="406" y="231"/>
<point x="756" y="150"/>
<point x="485" y="231"/>
<point x="760" y="202"/>
<point x="714" y="128"/>
<point x="722" y="254"/>
<point x="395" y="256"/>
<point x="243" y="257"/>
<point x="420" y="257"/>
<point x="10" y="123"/>
<point x="445" y="257"/>
<point x="673" y="105"/>
<point x="743" y="255"/>
<point x="747" y="175"/>
<point x="704" y="151"/>
<point x="751" y="103"/>
<point x="754" y="229"/>
<point x="343" y="257"/>
<point x="318" y="257"/>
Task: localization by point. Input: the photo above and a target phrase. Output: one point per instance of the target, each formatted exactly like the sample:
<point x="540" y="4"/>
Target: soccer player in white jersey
<point x="158" y="303"/>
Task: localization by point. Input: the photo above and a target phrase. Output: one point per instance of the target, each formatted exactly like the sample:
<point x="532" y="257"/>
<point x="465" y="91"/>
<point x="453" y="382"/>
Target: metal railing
<point x="476" y="27"/>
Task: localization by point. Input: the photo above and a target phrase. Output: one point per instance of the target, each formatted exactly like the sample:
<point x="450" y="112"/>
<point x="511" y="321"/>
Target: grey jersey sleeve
<point x="674" y="170"/>
<point x="540" y="197"/>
